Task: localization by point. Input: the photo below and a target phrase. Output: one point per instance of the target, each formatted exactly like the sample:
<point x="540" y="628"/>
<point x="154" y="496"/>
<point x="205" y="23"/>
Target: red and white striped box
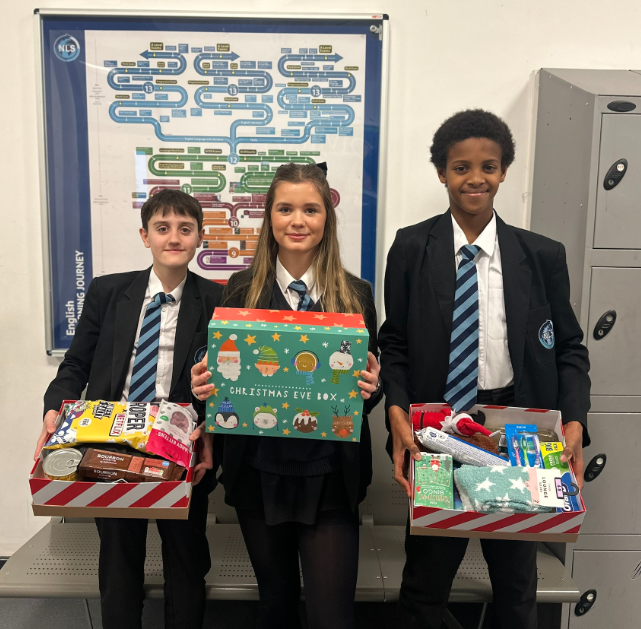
<point x="168" y="500"/>
<point x="539" y="527"/>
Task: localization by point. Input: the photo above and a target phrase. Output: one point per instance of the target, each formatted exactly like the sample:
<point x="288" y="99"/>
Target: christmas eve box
<point x="284" y="373"/>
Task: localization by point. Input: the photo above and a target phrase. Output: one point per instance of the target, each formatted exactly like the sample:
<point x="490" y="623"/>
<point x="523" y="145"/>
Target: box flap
<point x="331" y="319"/>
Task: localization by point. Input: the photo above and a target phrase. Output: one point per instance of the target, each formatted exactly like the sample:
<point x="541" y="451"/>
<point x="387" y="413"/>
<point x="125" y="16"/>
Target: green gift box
<point x="284" y="373"/>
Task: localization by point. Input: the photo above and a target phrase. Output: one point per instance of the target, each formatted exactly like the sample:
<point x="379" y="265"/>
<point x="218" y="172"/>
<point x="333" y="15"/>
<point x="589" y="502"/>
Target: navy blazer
<point x="420" y="282"/>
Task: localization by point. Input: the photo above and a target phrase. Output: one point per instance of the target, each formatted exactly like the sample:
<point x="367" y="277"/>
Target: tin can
<point x="62" y="464"/>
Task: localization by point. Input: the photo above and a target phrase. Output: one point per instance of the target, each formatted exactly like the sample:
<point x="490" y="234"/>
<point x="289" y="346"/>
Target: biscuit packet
<point x="169" y="436"/>
<point x="100" y="421"/>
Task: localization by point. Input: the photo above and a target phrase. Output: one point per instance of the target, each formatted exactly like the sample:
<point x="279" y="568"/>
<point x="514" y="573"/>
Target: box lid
<point x="324" y="319"/>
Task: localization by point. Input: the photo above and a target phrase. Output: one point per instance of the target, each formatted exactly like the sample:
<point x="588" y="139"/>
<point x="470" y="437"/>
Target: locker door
<point x="615" y="359"/>
<point x="614" y="576"/>
<point x="618" y="211"/>
<point x="612" y="499"/>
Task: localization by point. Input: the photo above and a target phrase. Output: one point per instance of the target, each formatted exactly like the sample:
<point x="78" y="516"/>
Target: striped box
<point x="538" y="527"/>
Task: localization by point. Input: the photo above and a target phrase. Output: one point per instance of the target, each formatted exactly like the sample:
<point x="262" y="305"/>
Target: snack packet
<point x="104" y="422"/>
<point x="169" y="437"/>
<point x="433" y="483"/>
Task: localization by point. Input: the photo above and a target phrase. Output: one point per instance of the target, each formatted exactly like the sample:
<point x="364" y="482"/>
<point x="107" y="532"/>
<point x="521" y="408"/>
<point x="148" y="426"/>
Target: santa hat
<point x="226" y="406"/>
<point x="228" y="348"/>
<point x="346" y="347"/>
<point x="267" y="356"/>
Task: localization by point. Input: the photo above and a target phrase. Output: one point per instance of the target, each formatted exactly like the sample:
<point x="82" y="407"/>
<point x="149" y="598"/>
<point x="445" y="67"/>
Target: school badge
<point x="546" y="335"/>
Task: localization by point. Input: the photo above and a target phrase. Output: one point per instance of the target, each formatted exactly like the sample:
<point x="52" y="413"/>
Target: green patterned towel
<point x="496" y="489"/>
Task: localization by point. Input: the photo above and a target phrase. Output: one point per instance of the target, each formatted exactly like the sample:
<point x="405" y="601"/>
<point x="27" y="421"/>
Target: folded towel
<point x="496" y="489"/>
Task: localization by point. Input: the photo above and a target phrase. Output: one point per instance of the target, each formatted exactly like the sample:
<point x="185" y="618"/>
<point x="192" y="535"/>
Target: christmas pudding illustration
<point x="229" y="359"/>
<point x="267" y="362"/>
<point x="226" y="417"/>
<point x="305" y="421"/>
<point x="265" y="417"/>
<point x="341" y="361"/>
<point x="306" y="363"/>
<point x="342" y="425"/>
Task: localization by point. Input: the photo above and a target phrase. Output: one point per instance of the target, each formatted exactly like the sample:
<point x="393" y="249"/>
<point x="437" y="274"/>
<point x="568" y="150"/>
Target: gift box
<point x="563" y="525"/>
<point x="283" y="373"/>
<point x="88" y="499"/>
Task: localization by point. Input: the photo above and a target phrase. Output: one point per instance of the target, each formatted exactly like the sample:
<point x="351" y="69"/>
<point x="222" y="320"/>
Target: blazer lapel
<point x="517" y="278"/>
<point x="188" y="318"/>
<point x="127" y="317"/>
<point x="441" y="266"/>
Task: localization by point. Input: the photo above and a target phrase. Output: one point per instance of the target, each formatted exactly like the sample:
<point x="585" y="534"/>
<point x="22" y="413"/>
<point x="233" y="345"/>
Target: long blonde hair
<point x="328" y="268"/>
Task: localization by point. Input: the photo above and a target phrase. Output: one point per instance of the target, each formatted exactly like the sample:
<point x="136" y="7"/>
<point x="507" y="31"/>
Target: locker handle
<point x="604" y="324"/>
<point x="594" y="467"/>
<point x="615" y="174"/>
<point x="585" y="603"/>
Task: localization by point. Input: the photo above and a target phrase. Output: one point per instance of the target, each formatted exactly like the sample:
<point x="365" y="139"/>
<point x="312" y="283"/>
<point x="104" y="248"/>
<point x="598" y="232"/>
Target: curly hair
<point x="472" y="123"/>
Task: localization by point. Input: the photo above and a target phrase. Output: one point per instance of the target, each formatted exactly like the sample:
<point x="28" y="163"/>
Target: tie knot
<point x="299" y="286"/>
<point x="161" y="298"/>
<point x="469" y="251"/>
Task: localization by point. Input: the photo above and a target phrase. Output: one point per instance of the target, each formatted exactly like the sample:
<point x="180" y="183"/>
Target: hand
<point x="574" y="449"/>
<point x="199" y="376"/>
<point x="48" y="428"/>
<point x="403" y="440"/>
<point x="205" y="453"/>
<point x="369" y="382"/>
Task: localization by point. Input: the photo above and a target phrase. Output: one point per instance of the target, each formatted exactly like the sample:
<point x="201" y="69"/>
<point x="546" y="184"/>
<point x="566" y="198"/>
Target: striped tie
<point x="462" y="378"/>
<point x="142" y="387"/>
<point x="305" y="301"/>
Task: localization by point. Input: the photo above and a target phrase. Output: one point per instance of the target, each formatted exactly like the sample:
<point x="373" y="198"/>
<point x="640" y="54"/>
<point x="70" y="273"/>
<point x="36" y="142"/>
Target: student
<point x="300" y="497"/>
<point x="102" y="357"/>
<point x="468" y="300"/>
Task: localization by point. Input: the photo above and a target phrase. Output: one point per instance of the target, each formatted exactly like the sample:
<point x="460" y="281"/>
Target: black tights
<point x="329" y="560"/>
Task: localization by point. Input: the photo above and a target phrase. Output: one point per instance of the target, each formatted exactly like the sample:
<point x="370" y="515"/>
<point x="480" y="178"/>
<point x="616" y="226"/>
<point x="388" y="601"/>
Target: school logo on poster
<point x="66" y="48"/>
<point x="546" y="335"/>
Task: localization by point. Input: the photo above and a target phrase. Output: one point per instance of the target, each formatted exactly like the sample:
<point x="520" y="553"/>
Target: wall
<point x="444" y="57"/>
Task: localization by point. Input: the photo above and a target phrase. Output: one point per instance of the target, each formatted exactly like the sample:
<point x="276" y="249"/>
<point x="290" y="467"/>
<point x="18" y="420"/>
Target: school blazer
<point x="420" y="282"/>
<point x="101" y="348"/>
<point x="356" y="459"/>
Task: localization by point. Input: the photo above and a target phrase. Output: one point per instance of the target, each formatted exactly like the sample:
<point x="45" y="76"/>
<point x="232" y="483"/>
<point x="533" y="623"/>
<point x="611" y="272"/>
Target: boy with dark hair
<point x="137" y="339"/>
<point x="477" y="312"/>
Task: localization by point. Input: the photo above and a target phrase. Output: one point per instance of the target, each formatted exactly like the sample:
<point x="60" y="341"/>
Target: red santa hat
<point x="228" y="348"/>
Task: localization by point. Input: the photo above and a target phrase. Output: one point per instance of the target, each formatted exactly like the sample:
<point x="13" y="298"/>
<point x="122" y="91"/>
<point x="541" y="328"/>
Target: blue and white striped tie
<point x="462" y="378"/>
<point x="142" y="387"/>
<point x="305" y="301"/>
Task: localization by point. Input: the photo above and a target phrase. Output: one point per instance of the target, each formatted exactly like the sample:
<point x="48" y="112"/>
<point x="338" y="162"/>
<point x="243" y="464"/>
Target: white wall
<point x="444" y="57"/>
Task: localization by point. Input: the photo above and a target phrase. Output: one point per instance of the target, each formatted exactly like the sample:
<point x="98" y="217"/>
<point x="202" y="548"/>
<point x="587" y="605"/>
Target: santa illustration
<point x="229" y="359"/>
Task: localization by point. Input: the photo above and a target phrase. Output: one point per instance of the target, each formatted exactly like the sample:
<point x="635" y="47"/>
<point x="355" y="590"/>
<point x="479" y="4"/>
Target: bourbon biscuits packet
<point x="169" y="437"/>
<point x="104" y="422"/>
<point x="113" y="466"/>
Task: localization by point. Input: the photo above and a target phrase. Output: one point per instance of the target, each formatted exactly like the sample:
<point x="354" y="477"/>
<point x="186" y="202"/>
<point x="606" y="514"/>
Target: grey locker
<point x="615" y="577"/>
<point x="613" y="499"/>
<point x="618" y="211"/>
<point x="615" y="359"/>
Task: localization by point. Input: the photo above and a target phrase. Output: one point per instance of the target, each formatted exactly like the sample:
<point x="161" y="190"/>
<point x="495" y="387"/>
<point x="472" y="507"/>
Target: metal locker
<point x="616" y="578"/>
<point x="615" y="357"/>
<point x="618" y="209"/>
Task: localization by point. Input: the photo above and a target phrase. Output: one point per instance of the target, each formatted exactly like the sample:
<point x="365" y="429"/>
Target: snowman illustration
<point x="341" y="361"/>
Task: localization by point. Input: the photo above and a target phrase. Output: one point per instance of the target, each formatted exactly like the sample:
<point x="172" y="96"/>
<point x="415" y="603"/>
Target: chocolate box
<point x="283" y="373"/>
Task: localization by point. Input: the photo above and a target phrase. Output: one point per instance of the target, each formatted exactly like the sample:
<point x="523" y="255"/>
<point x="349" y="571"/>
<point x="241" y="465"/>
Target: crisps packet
<point x="104" y="422"/>
<point x="169" y="437"/>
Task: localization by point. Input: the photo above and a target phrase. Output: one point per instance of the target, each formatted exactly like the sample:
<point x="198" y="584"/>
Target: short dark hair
<point x="167" y="201"/>
<point x="472" y="123"/>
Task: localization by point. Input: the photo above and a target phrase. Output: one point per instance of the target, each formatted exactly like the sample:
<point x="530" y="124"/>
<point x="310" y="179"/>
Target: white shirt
<point x="168" y="321"/>
<point x="495" y="367"/>
<point x="284" y="279"/>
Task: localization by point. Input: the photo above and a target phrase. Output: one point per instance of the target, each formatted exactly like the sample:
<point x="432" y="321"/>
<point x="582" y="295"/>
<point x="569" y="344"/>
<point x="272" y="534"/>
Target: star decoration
<point x="243" y="313"/>
<point x="297" y="327"/>
<point x="353" y="438"/>
<point x="276" y="336"/>
<point x="353" y="393"/>
<point x="320" y="316"/>
<point x="286" y="431"/>
<point x="342" y="400"/>
<point x="323" y="434"/>
<point x="290" y="318"/>
<point x="285" y="405"/>
<point x="328" y="328"/>
<point x="356" y="373"/>
<point x="303" y="338"/>
<point x="499" y="469"/>
<point x="323" y="379"/>
<point x="360" y="331"/>
<point x="325" y="344"/>
<point x="355" y="412"/>
<point x="359" y="340"/>
<point x="312" y="328"/>
<point x="217" y="335"/>
<point x="360" y="360"/>
<point x="260" y="432"/>
<point x="518" y="484"/>
<point x="287" y="350"/>
<point x="244" y="424"/>
<point x="224" y="322"/>
<point x="338" y="325"/>
<point x="215" y="391"/>
<point x="284" y="421"/>
<point x="248" y="325"/>
<point x="211" y="404"/>
<point x="274" y="311"/>
<point x="285" y="369"/>
<point x="263" y="325"/>
<point x="210" y="429"/>
<point x="248" y="367"/>
<point x="486" y="484"/>
<point x="250" y="339"/>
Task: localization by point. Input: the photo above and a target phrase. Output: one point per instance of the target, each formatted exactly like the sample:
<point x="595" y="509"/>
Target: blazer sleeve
<point x="369" y="315"/>
<point x="73" y="373"/>
<point x="393" y="334"/>
<point x="572" y="360"/>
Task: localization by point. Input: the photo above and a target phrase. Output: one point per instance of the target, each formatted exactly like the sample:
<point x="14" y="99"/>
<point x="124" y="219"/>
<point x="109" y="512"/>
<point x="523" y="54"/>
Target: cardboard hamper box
<point x="562" y="526"/>
<point x="283" y="373"/>
<point x="169" y="500"/>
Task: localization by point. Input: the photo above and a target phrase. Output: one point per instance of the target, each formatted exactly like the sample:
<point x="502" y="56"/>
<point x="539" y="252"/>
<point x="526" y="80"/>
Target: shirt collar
<point x="284" y="278"/>
<point x="486" y="240"/>
<point x="155" y="286"/>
